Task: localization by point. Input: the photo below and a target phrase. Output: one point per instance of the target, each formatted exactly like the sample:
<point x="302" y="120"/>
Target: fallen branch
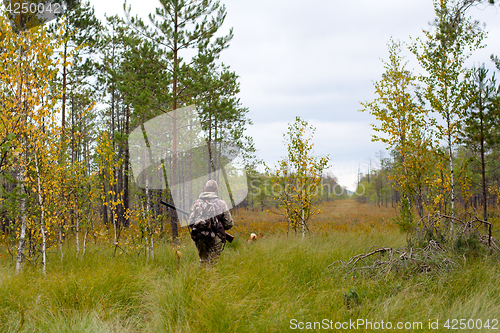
<point x="431" y="247"/>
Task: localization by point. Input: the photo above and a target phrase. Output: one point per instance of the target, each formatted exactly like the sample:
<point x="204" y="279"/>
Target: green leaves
<point x="417" y="114"/>
<point x="7" y="144"/>
<point x="448" y="44"/>
<point x="403" y="127"/>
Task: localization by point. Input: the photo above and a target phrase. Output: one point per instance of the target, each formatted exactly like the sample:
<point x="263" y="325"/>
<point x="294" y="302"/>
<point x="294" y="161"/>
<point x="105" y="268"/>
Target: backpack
<point x="206" y="227"/>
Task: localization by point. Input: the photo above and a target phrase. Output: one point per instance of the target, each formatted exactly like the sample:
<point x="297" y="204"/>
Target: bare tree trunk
<point x="151" y="239"/>
<point x="173" y="181"/>
<point x="21" y="178"/>
<point x="42" y="207"/>
<point x="303" y="225"/>
<point x="146" y="203"/>
<point x="145" y="216"/>
<point x="452" y="179"/>
<point x="22" y="236"/>
<point x="211" y="166"/>
<point x="65" y="73"/>
<point x="119" y="189"/>
<point x="114" y="228"/>
<point x="61" y="253"/>
<point x="104" y="206"/>
<point x="73" y="142"/>
<point x="483" y="168"/>
<point x="77" y="234"/>
<point x="146" y="248"/>
<point x="85" y="241"/>
<point x="126" y="195"/>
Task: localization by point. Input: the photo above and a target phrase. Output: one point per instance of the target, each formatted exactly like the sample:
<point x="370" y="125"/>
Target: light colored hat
<point x="211" y="186"/>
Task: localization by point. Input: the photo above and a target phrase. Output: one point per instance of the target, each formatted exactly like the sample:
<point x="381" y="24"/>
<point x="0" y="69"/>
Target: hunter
<point x="208" y="221"/>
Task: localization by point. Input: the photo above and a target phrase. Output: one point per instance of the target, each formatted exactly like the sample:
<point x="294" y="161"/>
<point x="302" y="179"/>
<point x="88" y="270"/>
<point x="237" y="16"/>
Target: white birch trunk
<point x="452" y="179"/>
<point x="149" y="245"/>
<point x="303" y="224"/>
<point x="21" y="179"/>
<point x="85" y="241"/>
<point x="42" y="226"/>
<point x="151" y="249"/>
<point x="44" y="242"/>
<point x="60" y="245"/>
<point x="146" y="249"/>
<point x="77" y="234"/>
<point x="114" y="226"/>
<point x="22" y="236"/>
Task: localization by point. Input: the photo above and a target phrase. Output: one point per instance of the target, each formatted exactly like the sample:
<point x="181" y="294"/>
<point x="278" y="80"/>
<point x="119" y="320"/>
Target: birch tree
<point x="297" y="178"/>
<point x="442" y="53"/>
<point x="27" y="67"/>
<point x="403" y="127"/>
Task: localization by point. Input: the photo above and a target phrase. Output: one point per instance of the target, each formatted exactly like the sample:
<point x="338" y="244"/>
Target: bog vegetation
<point x="259" y="287"/>
<point x="92" y="251"/>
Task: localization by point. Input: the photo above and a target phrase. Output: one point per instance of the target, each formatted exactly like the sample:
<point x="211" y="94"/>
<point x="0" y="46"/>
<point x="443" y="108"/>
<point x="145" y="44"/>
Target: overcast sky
<point x="318" y="59"/>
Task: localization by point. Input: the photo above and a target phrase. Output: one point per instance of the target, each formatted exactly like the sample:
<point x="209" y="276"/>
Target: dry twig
<point x="431" y="247"/>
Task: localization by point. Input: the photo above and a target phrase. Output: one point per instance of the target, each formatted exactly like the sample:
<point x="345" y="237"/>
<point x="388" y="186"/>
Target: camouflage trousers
<point x="209" y="250"/>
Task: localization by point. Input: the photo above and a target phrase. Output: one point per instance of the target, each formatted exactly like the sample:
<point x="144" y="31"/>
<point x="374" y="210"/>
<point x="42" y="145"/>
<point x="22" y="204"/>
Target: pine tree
<point x="178" y="26"/>
<point x="481" y="119"/>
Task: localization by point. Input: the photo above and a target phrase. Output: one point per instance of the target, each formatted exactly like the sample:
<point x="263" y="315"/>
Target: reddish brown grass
<point x="341" y="215"/>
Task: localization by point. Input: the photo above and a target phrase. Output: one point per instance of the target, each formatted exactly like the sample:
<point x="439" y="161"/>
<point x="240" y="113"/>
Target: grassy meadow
<point x="258" y="287"/>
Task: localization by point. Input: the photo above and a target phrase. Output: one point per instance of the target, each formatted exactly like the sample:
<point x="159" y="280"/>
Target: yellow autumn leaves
<point x="298" y="177"/>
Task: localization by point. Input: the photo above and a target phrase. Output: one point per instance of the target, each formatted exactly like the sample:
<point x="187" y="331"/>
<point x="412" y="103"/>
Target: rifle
<point x="229" y="237"/>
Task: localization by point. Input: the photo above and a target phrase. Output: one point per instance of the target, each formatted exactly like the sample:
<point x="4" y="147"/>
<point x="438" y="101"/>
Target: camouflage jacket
<point x="224" y="216"/>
